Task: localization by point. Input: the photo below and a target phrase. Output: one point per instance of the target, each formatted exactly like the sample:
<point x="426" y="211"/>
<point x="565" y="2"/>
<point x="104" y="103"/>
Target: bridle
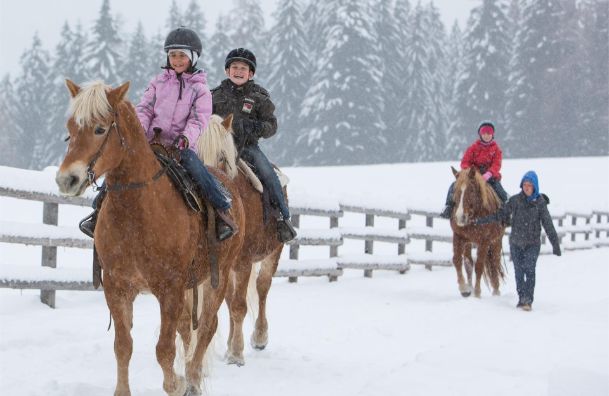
<point x="92" y="178"/>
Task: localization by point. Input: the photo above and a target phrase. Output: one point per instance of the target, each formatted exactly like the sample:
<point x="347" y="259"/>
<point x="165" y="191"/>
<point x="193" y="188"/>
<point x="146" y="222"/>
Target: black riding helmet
<point x="243" y="55"/>
<point x="184" y="39"/>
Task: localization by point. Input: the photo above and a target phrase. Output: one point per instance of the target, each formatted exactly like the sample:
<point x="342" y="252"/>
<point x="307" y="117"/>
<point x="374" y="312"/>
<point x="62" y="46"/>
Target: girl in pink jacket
<point x="178" y="102"/>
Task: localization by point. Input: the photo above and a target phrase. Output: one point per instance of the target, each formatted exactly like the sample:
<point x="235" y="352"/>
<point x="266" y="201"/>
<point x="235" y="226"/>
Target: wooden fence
<point x="577" y="231"/>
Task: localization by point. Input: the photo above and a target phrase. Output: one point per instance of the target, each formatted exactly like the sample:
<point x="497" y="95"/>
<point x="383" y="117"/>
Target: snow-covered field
<point x="394" y="334"/>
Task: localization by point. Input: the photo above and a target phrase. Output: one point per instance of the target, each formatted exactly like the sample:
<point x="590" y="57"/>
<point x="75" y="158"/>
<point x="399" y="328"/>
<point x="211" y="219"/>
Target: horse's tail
<point x="493" y="268"/>
<point x="252" y="292"/>
<point x="216" y="147"/>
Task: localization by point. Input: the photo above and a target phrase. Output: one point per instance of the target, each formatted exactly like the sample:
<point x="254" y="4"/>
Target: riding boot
<point x="285" y="230"/>
<point x="448" y="209"/>
<point x="87" y="225"/>
<point x="225" y="227"/>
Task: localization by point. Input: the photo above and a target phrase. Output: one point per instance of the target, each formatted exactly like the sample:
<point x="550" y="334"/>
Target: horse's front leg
<point x="120" y="302"/>
<point x="260" y="336"/>
<point x="481" y="257"/>
<point x="469" y="263"/>
<point x="458" y="248"/>
<point x="171" y="301"/>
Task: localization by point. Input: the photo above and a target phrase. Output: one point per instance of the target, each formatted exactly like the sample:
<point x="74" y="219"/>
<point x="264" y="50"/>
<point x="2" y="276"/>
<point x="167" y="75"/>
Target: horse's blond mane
<point x="490" y="200"/>
<point x="90" y="104"/>
<point x="216" y="147"/>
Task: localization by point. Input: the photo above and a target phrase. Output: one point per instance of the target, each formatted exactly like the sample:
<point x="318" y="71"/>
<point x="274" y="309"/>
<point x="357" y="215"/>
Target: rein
<point x="117" y="187"/>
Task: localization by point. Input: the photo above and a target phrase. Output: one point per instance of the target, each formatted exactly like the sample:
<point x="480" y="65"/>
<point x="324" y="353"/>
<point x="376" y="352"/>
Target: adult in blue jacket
<point x="527" y="212"/>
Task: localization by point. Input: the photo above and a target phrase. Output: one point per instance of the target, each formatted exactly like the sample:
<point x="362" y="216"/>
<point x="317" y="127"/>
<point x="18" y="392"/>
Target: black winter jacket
<point x="252" y="109"/>
<point x="526" y="218"/>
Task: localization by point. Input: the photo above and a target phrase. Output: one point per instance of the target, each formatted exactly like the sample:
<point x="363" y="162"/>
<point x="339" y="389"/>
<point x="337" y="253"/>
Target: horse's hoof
<point x="496" y="293"/>
<point x="258" y="344"/>
<point x="193" y="391"/>
<point x="466" y="293"/>
<point x="235" y="360"/>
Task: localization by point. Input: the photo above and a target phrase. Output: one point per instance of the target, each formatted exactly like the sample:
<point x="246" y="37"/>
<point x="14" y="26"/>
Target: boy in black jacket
<point x="526" y="212"/>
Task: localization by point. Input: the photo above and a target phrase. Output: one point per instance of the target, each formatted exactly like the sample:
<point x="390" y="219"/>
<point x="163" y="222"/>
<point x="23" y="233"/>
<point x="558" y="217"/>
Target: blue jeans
<point x="266" y="173"/>
<point x="525" y="261"/>
<point x="495" y="184"/>
<point x="209" y="187"/>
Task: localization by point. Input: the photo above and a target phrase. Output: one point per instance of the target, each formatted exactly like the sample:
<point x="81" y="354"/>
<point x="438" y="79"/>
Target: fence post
<point x="49" y="253"/>
<point x="428" y="242"/>
<point x="333" y="224"/>
<point x="401" y="246"/>
<point x="294" y="247"/>
<point x="368" y="246"/>
<point x="573" y="222"/>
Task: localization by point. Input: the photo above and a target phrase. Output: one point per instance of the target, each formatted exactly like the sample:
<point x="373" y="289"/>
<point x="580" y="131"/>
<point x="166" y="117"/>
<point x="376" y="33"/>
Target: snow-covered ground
<point x="392" y="334"/>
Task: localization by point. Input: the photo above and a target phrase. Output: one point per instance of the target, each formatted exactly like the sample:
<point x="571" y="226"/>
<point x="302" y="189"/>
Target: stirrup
<point x="87" y="225"/>
<point x="285" y="230"/>
<point x="225" y="227"/>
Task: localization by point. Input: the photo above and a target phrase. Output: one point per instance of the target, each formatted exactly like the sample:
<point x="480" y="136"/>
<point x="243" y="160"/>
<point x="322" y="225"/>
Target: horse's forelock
<point x="215" y="147"/>
<point x="91" y="104"/>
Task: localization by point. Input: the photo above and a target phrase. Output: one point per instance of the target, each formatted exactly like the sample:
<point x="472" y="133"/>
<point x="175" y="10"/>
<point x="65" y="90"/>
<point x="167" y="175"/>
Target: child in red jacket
<point x="485" y="154"/>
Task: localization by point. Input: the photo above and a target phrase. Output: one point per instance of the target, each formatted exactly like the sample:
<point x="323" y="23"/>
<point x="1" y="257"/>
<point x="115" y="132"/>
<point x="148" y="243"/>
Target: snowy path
<point x="391" y="335"/>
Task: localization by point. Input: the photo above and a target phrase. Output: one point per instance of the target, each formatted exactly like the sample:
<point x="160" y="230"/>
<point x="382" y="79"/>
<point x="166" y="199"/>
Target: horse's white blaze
<point x="459" y="215"/>
<point x="73" y="180"/>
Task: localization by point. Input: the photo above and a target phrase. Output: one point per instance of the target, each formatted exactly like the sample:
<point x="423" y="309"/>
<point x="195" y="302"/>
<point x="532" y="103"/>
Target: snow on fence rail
<point x="577" y="231"/>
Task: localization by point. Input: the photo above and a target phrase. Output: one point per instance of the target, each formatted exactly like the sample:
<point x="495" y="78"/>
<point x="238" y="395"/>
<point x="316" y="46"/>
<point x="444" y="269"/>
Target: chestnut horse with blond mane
<point x="147" y="239"/>
<point x="475" y="198"/>
<point x="216" y="148"/>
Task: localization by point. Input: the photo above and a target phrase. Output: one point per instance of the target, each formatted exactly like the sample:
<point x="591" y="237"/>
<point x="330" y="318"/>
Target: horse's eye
<point x="100" y="130"/>
<point x="66" y="138"/>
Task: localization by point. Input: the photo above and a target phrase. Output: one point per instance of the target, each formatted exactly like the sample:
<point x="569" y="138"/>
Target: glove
<point x="251" y="130"/>
<point x="487" y="176"/>
<point x="556" y="250"/>
<point x="181" y="142"/>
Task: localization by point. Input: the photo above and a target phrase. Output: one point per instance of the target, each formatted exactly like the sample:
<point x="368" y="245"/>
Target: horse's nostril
<point x="73" y="181"/>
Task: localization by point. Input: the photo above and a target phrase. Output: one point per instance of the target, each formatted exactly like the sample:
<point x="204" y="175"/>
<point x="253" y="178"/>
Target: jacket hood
<point x="531" y="177"/>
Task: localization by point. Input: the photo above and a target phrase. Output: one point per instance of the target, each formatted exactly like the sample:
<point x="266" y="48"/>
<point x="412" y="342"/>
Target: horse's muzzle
<point x="71" y="182"/>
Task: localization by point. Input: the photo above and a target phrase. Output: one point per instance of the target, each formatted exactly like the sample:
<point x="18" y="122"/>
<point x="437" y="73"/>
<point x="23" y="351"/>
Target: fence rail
<point x="577" y="231"/>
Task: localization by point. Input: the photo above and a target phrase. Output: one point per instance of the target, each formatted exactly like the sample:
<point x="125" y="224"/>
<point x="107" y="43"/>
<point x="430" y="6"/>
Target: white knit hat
<point x="190" y="54"/>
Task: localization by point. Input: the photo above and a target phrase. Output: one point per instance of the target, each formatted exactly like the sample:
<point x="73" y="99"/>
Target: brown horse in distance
<point x="216" y="148"/>
<point x="148" y="240"/>
<point x="474" y="198"/>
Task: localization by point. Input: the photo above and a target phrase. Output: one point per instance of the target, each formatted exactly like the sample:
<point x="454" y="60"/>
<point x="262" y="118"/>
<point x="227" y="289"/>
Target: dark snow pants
<point x="525" y="261"/>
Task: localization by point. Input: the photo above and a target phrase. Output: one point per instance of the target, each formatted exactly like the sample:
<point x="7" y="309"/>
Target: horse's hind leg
<point x="494" y="263"/>
<point x="468" y="261"/>
<point x="238" y="309"/>
<point x="481" y="257"/>
<point x="171" y="301"/>
<point x="260" y="336"/>
<point x="120" y="303"/>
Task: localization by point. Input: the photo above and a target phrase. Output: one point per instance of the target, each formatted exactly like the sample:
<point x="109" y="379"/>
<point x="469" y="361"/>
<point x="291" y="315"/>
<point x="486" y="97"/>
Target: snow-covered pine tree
<point x="10" y="133"/>
<point x="434" y="138"/>
<point x="534" y="122"/>
<point x="391" y="23"/>
<point x="137" y="70"/>
<point x="174" y="18"/>
<point x="594" y="106"/>
<point x="481" y="92"/>
<point x="33" y="110"/>
<point x="455" y="141"/>
<point x="247" y="30"/>
<point x="288" y="77"/>
<point x="194" y="18"/>
<point x="67" y="63"/>
<point x="416" y="102"/>
<point x="316" y="15"/>
<point x="341" y="112"/>
<point x="103" y="52"/>
<point x="219" y="46"/>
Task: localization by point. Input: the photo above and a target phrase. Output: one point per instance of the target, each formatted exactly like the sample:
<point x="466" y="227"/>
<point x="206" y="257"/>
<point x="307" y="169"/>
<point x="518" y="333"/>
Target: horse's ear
<point x="72" y="87"/>
<point x="455" y="172"/>
<point x="228" y="122"/>
<point x="118" y="94"/>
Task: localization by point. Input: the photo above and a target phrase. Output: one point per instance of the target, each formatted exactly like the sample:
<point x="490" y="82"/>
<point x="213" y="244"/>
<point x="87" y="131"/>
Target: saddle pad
<point x="253" y="179"/>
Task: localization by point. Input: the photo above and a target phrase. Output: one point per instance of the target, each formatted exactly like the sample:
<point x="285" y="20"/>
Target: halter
<point x="117" y="187"/>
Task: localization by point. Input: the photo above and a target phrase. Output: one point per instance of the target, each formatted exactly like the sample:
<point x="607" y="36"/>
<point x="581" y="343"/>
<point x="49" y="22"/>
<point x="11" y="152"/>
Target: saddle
<point x="169" y="159"/>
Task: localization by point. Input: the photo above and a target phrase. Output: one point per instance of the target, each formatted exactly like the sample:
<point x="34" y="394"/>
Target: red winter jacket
<point x="485" y="156"/>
